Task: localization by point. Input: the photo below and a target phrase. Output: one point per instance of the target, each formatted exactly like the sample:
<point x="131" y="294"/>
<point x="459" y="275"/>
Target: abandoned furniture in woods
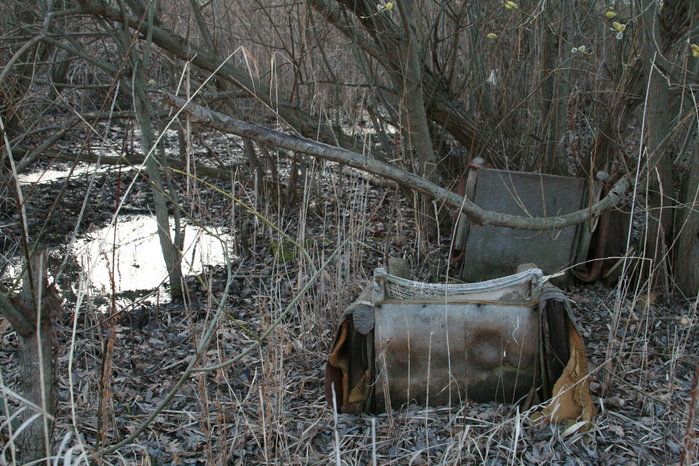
<point x="511" y="339"/>
<point x="486" y="252"/>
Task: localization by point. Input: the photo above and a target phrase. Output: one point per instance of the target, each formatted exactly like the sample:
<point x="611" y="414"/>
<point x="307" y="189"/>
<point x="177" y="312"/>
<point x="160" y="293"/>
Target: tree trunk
<point x="142" y="106"/>
<point x="687" y="247"/>
<point x="687" y="225"/>
<point x="659" y="178"/>
<point x="555" y="91"/>
<point x="418" y="134"/>
<point x="36" y="362"/>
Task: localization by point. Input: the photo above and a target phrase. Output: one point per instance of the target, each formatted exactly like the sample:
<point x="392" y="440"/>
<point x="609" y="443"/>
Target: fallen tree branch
<point x="14" y="314"/>
<point x="366" y="163"/>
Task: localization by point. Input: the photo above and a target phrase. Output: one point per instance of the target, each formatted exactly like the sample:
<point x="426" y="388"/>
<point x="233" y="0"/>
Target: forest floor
<point x="268" y="406"/>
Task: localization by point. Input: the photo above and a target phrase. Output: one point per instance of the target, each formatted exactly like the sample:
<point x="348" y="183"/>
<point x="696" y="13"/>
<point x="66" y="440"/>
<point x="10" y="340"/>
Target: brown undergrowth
<point x="268" y="406"/>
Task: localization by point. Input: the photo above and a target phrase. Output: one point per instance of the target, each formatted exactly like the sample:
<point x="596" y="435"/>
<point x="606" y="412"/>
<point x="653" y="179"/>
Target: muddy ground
<point x="269" y="406"/>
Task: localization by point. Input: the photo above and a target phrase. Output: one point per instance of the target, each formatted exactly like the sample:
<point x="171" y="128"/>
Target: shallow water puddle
<point x="50" y="175"/>
<point x="131" y="252"/>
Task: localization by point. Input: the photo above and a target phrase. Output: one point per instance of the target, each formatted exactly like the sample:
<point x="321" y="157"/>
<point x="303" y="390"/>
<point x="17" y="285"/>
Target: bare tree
<point x="511" y="82"/>
<point x="31" y="313"/>
<point x="409" y="92"/>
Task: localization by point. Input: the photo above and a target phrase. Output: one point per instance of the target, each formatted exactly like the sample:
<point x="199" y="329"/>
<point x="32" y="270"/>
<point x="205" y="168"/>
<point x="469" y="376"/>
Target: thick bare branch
<point x="21" y="323"/>
<point x="369" y="164"/>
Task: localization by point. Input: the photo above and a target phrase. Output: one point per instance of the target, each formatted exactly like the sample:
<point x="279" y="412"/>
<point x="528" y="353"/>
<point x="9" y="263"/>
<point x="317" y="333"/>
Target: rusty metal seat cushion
<point x="438" y="344"/>
<point x="506" y="340"/>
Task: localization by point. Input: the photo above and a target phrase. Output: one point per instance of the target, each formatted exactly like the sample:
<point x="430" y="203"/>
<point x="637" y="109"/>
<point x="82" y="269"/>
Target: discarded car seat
<point x="510" y="339"/>
<point x="486" y="252"/>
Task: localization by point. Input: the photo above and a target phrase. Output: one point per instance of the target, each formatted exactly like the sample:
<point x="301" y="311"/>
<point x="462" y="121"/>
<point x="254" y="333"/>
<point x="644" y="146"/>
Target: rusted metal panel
<point x="443" y="354"/>
<point x="489" y="251"/>
<point x="479" y="343"/>
<point x="506" y="339"/>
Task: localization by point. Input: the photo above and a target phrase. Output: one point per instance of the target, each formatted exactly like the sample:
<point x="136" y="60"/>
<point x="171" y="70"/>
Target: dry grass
<point x="198" y="383"/>
<point x="268" y="405"/>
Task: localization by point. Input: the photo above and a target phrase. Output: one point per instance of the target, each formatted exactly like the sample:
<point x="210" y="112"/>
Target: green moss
<point x="509" y="369"/>
<point x="284" y="251"/>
